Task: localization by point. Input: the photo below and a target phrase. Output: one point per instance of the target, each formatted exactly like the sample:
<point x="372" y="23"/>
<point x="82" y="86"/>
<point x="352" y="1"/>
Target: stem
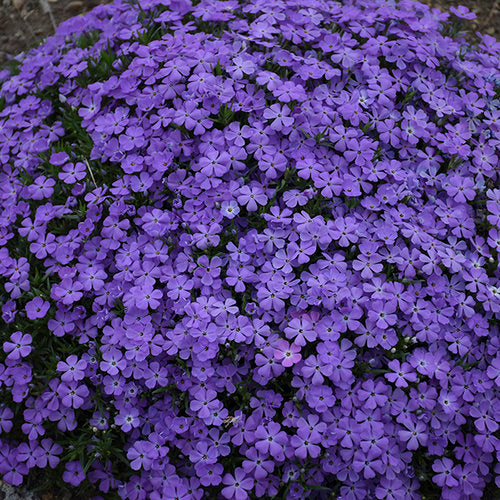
<point x="90" y="170"/>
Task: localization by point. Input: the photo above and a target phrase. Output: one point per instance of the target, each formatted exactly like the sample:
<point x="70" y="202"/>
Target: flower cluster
<point x="250" y="249"/>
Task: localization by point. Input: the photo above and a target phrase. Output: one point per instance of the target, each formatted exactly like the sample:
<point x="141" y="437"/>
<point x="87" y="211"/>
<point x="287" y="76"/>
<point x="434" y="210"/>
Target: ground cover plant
<point x="250" y="249"/>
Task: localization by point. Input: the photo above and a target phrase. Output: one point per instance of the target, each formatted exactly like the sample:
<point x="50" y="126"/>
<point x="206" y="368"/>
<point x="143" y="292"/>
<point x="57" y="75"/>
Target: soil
<point x="26" y="23"/>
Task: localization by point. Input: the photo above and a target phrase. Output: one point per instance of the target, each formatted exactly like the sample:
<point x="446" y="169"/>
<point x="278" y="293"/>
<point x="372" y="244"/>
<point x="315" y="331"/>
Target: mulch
<point x="26" y="23"/>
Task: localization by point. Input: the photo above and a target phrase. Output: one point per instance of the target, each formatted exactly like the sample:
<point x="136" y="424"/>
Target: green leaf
<point x="320" y="136"/>
<point x="316" y="487"/>
<point x="217" y="70"/>
<point x="86" y="466"/>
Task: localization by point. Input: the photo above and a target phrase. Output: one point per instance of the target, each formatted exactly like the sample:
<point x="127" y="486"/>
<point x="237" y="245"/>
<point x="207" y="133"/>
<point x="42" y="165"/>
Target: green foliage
<point x="88" y="39"/>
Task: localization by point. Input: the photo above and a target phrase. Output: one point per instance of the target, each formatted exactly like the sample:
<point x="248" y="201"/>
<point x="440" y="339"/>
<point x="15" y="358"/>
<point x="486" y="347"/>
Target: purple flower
<point x="271" y="250"/>
<point x="493" y="370"/>
<point x="414" y="436"/>
<point x="372" y="394"/>
<point x="141" y="455"/>
<point x="6" y="415"/>
<point x="382" y="314"/>
<point x="47" y="453"/>
<point x="208" y="270"/>
<point x="240" y="67"/>
<point x="344" y="231"/>
<point x="67" y="291"/>
<point x="19" y="345"/>
<point x="207" y="236"/>
<point x="301" y="330"/>
<point x="484" y="421"/>
<point x="462" y="12"/>
<point x="461" y="188"/>
<point x="37" y="308"/>
<point x="368" y="265"/>
<point x="391" y="489"/>
<point x="204" y="402"/>
<point x="270" y="439"/>
<point x="14" y="471"/>
<point x="128" y="419"/>
<point x="73" y="172"/>
<point x="305" y="444"/>
<point x="368" y="465"/>
<point x="210" y="474"/>
<point x="283" y="259"/>
<point x="445" y="469"/>
<point x="26" y="453"/>
<point x="288" y="354"/>
<point x="143" y="297"/>
<point x="73" y="474"/>
<point x="230" y="209"/>
<point x="257" y="465"/>
<point x="237" y="485"/>
<point x="401" y="373"/>
<point x="132" y="138"/>
<point x="250" y="196"/>
<point x="73" y="369"/>
<point x="279" y="115"/>
<point x="73" y="395"/>
<point x="44" y="245"/>
<point x="41" y="188"/>
<point x="271" y="299"/>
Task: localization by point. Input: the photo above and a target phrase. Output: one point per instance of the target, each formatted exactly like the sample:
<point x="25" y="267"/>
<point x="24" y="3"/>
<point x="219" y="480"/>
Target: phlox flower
<point x="230" y="209"/>
<point x="37" y="308"/>
<point x="288" y="354"/>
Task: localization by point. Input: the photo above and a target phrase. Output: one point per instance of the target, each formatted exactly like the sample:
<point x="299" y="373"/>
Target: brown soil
<point x="25" y="23"/>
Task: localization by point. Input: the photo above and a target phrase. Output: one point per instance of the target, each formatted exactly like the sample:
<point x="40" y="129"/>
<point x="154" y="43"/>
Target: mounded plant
<point x="250" y="249"/>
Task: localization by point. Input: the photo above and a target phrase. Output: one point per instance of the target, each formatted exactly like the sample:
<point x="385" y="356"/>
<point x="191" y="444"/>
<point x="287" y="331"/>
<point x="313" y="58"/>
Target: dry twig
<point x="48" y="10"/>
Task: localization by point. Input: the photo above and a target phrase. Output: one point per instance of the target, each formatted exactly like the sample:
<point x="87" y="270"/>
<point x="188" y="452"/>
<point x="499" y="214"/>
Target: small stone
<point x="45" y="6"/>
<point x="74" y="6"/>
<point x="18" y="4"/>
